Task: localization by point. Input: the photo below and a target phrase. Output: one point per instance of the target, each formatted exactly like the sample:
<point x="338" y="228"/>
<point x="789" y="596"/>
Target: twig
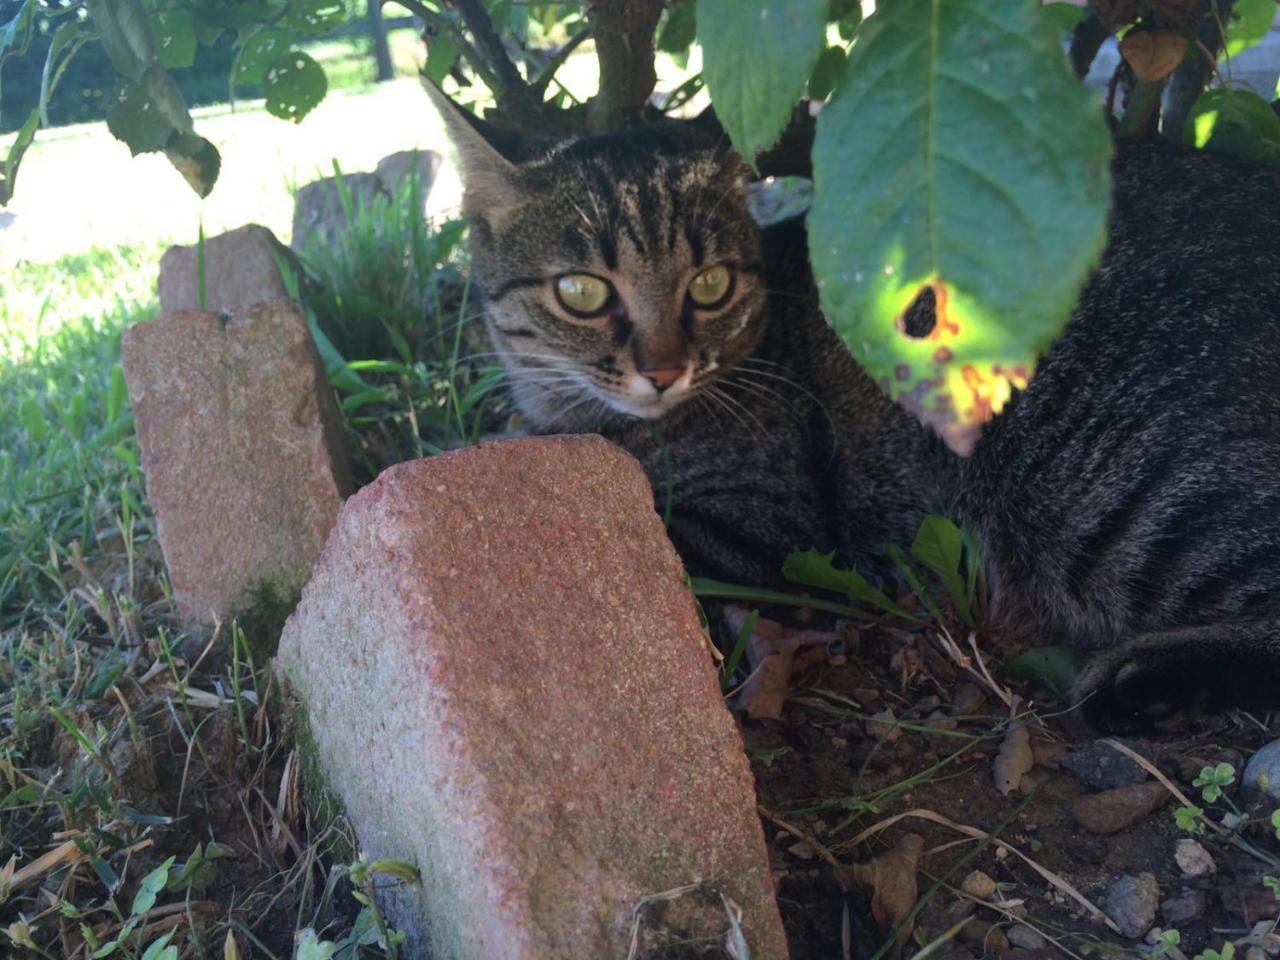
<point x="469" y="52"/>
<point x="800" y="833"/>
<point x="543" y="79"/>
<point x="477" y="20"/>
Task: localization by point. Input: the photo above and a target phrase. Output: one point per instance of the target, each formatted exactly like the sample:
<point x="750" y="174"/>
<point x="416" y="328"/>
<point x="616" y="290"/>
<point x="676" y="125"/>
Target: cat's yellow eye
<point x="711" y="287"/>
<point x="583" y="294"/>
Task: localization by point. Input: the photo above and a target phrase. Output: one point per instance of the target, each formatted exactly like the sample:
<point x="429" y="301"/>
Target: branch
<point x="490" y="44"/>
<point x="1192" y="76"/>
<point x="543" y="79"/>
<point x="624" y="45"/>
<point x="469" y="53"/>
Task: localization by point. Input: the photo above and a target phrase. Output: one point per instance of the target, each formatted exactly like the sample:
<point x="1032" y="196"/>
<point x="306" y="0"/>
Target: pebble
<point x="1020" y="935"/>
<point x="1263" y="770"/>
<point x="1103" y="767"/>
<point x="1255" y="953"/>
<point x="801" y="850"/>
<point x="1113" y="810"/>
<point x="977" y="884"/>
<point x="1193" y="859"/>
<point x="1183" y="906"/>
<point x="1131" y="903"/>
<point x="967" y="698"/>
<point x="1266" y="938"/>
<point x="884" y="726"/>
<point x="988" y="935"/>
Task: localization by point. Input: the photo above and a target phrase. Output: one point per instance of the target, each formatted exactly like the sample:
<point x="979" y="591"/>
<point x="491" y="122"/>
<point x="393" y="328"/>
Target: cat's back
<point x="1136" y="482"/>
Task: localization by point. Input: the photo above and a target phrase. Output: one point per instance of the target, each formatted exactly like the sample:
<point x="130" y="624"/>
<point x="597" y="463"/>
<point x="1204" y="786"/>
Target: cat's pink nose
<point x="661" y="379"/>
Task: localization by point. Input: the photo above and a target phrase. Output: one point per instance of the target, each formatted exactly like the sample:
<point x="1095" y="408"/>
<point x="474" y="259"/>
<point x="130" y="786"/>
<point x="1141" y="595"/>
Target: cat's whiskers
<point x="746" y="372"/>
<point x="714" y="390"/>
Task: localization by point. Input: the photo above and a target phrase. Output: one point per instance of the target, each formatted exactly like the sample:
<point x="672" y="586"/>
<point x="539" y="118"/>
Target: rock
<point x="987" y="935"/>
<point x="1020" y="935"/>
<point x="1262" y="772"/>
<point x="884" y="726"/>
<point x="977" y="884"/>
<point x="319" y="213"/>
<point x="1183" y="906"/>
<point x="1264" y="935"/>
<point x="1192" y="859"/>
<point x="801" y="850"/>
<point x="242" y="448"/>
<point x="967" y="699"/>
<point x="1103" y="767"/>
<point x="1113" y="810"/>
<point x="240" y="271"/>
<point x="1251" y="904"/>
<point x="1255" y="953"/>
<point x="506" y="682"/>
<point x="1131" y="903"/>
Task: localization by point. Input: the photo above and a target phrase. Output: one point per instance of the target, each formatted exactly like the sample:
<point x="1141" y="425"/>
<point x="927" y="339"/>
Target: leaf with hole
<point x="175" y="32"/>
<point x="295" y="84"/>
<point x="757" y="59"/>
<point x="258" y="52"/>
<point x="974" y="164"/>
<point x="315" y="18"/>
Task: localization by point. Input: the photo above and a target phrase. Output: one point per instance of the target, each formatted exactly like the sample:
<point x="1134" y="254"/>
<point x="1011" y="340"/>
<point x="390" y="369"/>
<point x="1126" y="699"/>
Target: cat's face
<point x="620" y="274"/>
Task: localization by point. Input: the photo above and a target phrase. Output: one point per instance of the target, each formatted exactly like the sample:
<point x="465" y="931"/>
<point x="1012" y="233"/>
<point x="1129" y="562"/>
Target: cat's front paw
<point x="1122" y="691"/>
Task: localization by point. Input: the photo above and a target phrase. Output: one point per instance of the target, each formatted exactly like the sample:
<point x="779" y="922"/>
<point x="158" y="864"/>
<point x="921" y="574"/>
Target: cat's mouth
<point x="639" y="397"/>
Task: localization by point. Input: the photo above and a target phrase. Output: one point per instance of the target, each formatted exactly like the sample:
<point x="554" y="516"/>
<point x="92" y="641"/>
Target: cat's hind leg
<point x="1155" y="674"/>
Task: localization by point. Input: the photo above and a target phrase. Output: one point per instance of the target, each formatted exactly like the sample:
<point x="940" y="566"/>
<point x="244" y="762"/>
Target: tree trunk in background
<point x="623" y="31"/>
<point x="381" y="51"/>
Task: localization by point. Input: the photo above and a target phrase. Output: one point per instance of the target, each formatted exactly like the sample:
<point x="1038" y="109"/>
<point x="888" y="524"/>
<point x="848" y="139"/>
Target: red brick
<point x="242" y="449"/>
<point x="506" y="682"/>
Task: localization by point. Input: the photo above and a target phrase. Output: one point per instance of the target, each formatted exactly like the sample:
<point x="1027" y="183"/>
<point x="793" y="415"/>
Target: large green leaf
<point x="1235" y="122"/>
<point x="15" y="33"/>
<point x="757" y="58"/>
<point x="1249" y="23"/>
<point x="176" y="36"/>
<point x="259" y="51"/>
<point x="959" y="154"/>
<point x="315" y="17"/>
<point x="295" y="84"/>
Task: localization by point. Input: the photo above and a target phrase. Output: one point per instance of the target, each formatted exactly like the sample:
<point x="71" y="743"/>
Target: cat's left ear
<point x="490" y="181"/>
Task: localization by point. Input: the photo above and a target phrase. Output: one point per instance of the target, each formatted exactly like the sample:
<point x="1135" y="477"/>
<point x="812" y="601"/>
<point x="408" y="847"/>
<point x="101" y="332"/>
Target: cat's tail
<point x="1156" y="674"/>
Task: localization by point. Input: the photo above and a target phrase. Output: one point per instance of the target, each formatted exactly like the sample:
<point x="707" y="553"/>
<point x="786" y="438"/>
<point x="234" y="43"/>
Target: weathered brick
<point x="505" y="681"/>
<point x="240" y="271"/>
<point x="242" y="449"/>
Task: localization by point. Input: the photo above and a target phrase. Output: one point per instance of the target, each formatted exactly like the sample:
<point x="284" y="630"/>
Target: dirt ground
<point x="856" y="787"/>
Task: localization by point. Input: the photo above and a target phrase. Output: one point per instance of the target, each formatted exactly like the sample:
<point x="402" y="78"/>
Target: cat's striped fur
<point x="1128" y="501"/>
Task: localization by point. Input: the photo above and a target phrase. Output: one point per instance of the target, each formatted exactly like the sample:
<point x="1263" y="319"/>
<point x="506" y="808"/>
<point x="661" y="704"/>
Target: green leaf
<point x="310" y="947"/>
<point x="706" y="587"/>
<point x="441" y="55"/>
<point x="259" y="51"/>
<point x="843" y="9"/>
<point x="117" y="394"/>
<point x="15" y="34"/>
<point x="295" y="83"/>
<point x="150" y="888"/>
<point x="1249" y="23"/>
<point x="175" y="32"/>
<point x="679" y="27"/>
<point x="939" y="545"/>
<point x="810" y="568"/>
<point x="160" y="949"/>
<point x="1066" y="16"/>
<point x="1238" y="123"/>
<point x="1052" y="667"/>
<point x="9" y="167"/>
<point x="914" y="580"/>
<point x="974" y="164"/>
<point x="826" y="73"/>
<point x="133" y="118"/>
<point x="315" y="17"/>
<point x="757" y="59"/>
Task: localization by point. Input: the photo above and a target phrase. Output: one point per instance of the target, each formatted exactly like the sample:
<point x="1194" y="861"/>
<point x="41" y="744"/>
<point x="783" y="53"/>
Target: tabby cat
<point x="1128" y="501"/>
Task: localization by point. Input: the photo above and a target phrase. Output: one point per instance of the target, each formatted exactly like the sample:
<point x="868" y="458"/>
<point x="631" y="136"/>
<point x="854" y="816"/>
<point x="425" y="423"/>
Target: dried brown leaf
<point x="1015" y="759"/>
<point x="891" y="880"/>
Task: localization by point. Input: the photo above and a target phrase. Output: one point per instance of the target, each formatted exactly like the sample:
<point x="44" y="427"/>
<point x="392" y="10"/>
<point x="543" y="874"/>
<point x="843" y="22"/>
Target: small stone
<point x="1255" y="953"/>
<point x="1131" y="903"/>
<point x="395" y="169"/>
<point x="1183" y="906"/>
<point x="319" y="213"/>
<point x="1265" y="936"/>
<point x="884" y="726"/>
<point x="866" y="695"/>
<point x="240" y="271"/>
<point x="1103" y="767"/>
<point x="1193" y="859"/>
<point x="977" y="884"/>
<point x="801" y="850"/>
<point x="1020" y="935"/>
<point x="990" y="937"/>
<point x="242" y="447"/>
<point x="966" y="699"/>
<point x="1113" y="810"/>
<point x="547" y="739"/>
<point x="1262" y="772"/>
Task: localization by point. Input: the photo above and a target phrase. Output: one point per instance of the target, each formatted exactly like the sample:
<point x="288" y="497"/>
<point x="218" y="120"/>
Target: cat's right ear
<point x="489" y="180"/>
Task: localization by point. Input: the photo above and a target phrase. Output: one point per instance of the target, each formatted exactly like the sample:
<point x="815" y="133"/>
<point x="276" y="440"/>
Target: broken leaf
<point x="974" y="164"/>
<point x="1014" y="760"/>
<point x="891" y="880"/>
